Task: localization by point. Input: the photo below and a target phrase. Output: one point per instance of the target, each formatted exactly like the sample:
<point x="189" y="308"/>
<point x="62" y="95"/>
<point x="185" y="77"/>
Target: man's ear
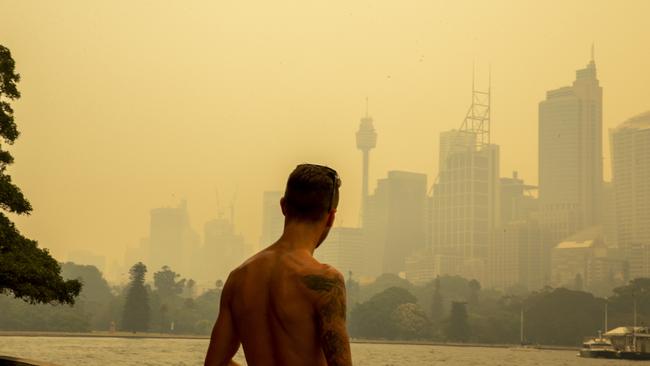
<point x="282" y="203"/>
<point x="330" y="218"/>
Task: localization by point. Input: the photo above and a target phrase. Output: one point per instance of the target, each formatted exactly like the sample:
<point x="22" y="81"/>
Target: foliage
<point x="26" y="271"/>
<point x="374" y="318"/>
<point x="136" y="312"/>
<point x="456" y="326"/>
<point x="22" y="316"/>
<point x="90" y="311"/>
<point x="437" y="309"/>
<point x="96" y="294"/>
<point x="382" y="283"/>
<point x="561" y="316"/>
<point x="411" y="322"/>
<point x="474" y="289"/>
<point x="165" y="282"/>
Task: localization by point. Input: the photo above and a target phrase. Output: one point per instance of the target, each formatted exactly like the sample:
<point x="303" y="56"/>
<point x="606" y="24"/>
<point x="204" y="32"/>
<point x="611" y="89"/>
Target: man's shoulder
<point x="322" y="278"/>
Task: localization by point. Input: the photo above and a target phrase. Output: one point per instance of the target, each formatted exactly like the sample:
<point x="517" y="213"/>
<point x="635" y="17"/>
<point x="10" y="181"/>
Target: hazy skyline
<point x="130" y="106"/>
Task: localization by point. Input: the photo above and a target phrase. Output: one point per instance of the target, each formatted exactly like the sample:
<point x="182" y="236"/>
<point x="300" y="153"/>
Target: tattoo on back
<point x="332" y="291"/>
<point x="331" y="316"/>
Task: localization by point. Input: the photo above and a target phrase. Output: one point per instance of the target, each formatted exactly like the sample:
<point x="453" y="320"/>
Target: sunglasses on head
<point x="336" y="181"/>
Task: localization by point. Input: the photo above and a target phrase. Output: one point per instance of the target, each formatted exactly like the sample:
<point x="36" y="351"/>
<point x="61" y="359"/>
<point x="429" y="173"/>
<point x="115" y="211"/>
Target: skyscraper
<point x="343" y="249"/>
<point x="366" y="141"/>
<point x="272" y="218"/>
<point x="172" y="241"/>
<point x="570" y="155"/>
<point x="223" y="250"/>
<point x="630" y="143"/>
<point x="395" y="222"/>
<point x="465" y="199"/>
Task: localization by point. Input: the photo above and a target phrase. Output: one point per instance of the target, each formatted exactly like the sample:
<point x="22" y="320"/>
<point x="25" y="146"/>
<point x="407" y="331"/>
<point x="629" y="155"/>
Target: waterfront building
<point x="582" y="262"/>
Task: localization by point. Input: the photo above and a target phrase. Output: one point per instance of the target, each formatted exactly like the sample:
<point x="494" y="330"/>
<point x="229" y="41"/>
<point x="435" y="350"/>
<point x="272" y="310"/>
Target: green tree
<point x="190" y="287"/>
<point x="96" y="295"/>
<point x="136" y="313"/>
<point x="562" y="316"/>
<point x="167" y="283"/>
<point x="26" y="271"/>
<point x="457" y="327"/>
<point x="411" y="322"/>
<point x="474" y="291"/>
<point x="374" y="318"/>
<point x="437" y="308"/>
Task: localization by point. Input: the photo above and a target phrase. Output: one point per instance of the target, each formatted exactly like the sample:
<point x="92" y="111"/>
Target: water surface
<point x="93" y="351"/>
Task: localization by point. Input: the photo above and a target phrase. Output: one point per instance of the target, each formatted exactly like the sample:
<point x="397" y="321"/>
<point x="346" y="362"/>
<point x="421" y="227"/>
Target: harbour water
<point x="93" y="351"/>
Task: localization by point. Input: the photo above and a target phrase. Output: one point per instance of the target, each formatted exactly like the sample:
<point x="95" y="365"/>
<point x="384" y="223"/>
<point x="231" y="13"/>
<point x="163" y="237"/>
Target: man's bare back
<point x="283" y="306"/>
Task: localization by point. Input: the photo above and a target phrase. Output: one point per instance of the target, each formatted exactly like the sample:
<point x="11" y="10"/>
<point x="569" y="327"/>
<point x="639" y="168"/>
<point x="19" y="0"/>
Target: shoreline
<point x="107" y="334"/>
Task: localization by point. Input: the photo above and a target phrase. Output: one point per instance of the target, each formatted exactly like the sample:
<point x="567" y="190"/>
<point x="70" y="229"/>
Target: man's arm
<point x="331" y="312"/>
<point x="224" y="341"/>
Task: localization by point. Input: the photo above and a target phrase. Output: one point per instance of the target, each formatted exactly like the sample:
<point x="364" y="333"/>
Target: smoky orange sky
<point x="131" y="105"/>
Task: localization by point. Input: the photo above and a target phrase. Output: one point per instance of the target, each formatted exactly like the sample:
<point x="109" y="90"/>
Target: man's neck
<point x="301" y="236"/>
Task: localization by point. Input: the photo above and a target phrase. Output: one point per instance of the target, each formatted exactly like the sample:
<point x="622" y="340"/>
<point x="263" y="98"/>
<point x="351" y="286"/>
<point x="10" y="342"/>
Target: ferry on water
<point x="629" y="343"/>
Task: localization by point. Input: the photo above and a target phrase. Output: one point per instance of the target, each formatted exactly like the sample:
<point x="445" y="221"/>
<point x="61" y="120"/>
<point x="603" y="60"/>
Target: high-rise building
<point x="366" y="141"/>
<point x="570" y="155"/>
<point x="630" y="143"/>
<point x="343" y="249"/>
<point x="272" y="218"/>
<point x="518" y="201"/>
<point x="172" y="241"/>
<point x="582" y="261"/>
<point x="223" y="250"/>
<point x="519" y="251"/>
<point x="519" y="256"/>
<point x="465" y="201"/>
<point x="394" y="222"/>
<point x="464" y="206"/>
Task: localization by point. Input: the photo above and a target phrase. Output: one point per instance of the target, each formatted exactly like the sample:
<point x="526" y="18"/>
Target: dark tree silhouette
<point x="26" y="271"/>
<point x="474" y="290"/>
<point x="437" y="306"/>
<point x="373" y="318"/>
<point x="136" y="313"/>
<point x="457" y="327"/>
<point x="168" y="283"/>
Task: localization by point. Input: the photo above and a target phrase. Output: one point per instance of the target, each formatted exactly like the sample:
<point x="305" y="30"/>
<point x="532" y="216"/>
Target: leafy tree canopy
<point x="168" y="283"/>
<point x="26" y="271"/>
<point x="136" y="311"/>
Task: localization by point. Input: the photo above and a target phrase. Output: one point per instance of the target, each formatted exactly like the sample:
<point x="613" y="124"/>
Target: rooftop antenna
<point x="593" y="57"/>
<point x="477" y="119"/>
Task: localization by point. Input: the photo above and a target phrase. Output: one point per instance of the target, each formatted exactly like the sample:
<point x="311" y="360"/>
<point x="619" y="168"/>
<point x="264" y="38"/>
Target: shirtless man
<point x="282" y="305"/>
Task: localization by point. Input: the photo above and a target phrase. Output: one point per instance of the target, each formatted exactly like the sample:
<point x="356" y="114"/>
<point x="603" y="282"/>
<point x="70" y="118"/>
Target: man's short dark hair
<point x="312" y="191"/>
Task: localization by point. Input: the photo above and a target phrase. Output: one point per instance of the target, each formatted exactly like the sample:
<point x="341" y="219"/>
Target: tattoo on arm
<point x="331" y="315"/>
